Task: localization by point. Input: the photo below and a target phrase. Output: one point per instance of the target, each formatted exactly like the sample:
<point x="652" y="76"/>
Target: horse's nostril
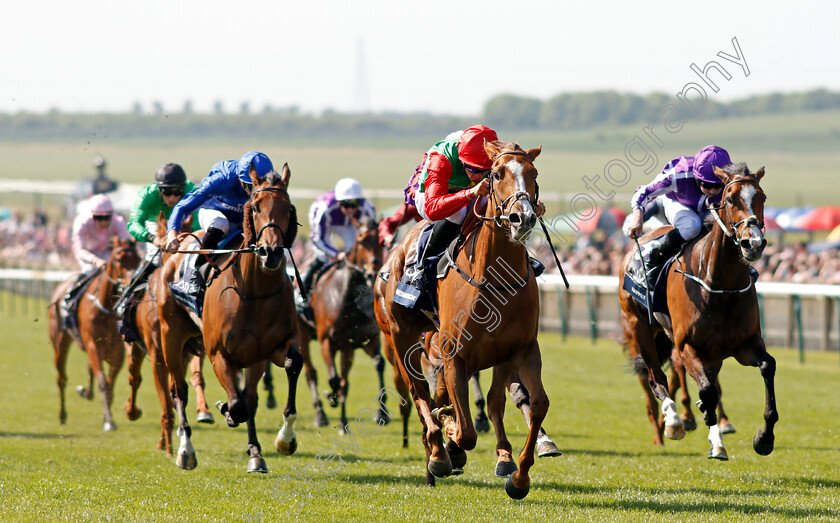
<point x="262" y="251"/>
<point x="515" y="218"/>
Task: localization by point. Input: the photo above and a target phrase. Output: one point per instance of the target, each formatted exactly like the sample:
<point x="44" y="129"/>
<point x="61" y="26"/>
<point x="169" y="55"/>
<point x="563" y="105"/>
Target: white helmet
<point x="101" y="205"/>
<point x="348" y="189"/>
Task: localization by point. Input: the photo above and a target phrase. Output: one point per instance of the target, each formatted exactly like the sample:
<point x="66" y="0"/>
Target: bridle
<point x="269" y="225"/>
<point x="502" y="215"/>
<point x="731" y="229"/>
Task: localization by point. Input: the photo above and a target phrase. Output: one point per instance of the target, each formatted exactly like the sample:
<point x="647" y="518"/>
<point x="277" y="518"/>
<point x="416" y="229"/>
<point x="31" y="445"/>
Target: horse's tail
<point x="636" y="364"/>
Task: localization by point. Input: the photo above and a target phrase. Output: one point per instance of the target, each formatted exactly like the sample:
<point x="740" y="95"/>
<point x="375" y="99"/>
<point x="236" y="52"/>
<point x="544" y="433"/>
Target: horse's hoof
<point x="257" y="465"/>
<point x="482" y="424"/>
<point x="726" y="428"/>
<point x="505" y="468"/>
<point x="457" y="471"/>
<point x="109" y="426"/>
<point x="677" y="432"/>
<point x="763" y="443"/>
<point x="84" y="392"/>
<point x="205" y="416"/>
<point x="515" y="492"/>
<point x="270" y="402"/>
<point x="458" y="457"/>
<point x="441" y="413"/>
<point x="332" y="399"/>
<point x="284" y="448"/>
<point x="718" y="453"/>
<point x="133" y="414"/>
<point x="690" y="424"/>
<point x="186" y="461"/>
<point x="321" y="419"/>
<point x="381" y="418"/>
<point x="548" y="449"/>
<point x="440" y="469"/>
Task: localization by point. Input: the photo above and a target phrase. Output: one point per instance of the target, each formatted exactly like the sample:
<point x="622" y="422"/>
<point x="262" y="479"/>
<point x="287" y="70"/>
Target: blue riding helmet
<point x="260" y="162"/>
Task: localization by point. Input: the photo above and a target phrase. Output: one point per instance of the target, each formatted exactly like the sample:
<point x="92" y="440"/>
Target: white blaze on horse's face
<point x="524" y="223"/>
<point x="754" y="245"/>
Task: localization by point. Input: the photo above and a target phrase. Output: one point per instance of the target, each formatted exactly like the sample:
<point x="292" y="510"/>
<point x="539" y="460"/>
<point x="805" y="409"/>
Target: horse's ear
<point x="759" y="173"/>
<point x="286" y="174"/>
<point x="491" y="148"/>
<point x="533" y="153"/>
<point x="720" y="173"/>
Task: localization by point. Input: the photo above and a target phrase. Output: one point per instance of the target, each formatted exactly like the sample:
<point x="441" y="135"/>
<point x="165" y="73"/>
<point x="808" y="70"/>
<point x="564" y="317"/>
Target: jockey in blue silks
<point x="220" y="201"/>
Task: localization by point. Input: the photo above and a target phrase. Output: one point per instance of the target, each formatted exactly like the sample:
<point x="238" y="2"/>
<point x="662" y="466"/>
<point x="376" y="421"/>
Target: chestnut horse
<point x="488" y="320"/>
<point x="97" y="324"/>
<point x="249" y="317"/>
<point x="714" y="310"/>
<point x="342" y="303"/>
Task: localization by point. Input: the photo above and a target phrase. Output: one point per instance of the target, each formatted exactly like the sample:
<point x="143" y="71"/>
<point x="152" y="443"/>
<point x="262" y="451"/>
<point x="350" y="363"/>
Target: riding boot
<point x="312" y="270"/>
<point x="211" y="240"/>
<point x="667" y="246"/>
<point x="443" y="232"/>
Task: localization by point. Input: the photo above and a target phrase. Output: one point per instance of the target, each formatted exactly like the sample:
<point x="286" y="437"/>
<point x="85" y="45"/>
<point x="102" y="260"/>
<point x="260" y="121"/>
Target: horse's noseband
<point x="270" y="224"/>
<point x="732" y="229"/>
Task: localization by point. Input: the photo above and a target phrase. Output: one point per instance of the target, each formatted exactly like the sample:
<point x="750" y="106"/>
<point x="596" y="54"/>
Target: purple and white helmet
<point x="709" y="156"/>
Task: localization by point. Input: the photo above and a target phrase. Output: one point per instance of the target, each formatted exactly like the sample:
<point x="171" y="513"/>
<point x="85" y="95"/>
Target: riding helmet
<point x="706" y="158"/>
<point x="171" y="175"/>
<point x="471" y="146"/>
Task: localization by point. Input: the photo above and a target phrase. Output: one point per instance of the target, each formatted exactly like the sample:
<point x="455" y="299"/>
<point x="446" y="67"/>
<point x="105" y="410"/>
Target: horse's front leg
<point x="333" y="379"/>
<point x="321" y="418"/>
<point x="373" y="349"/>
<point x="706" y="376"/>
<point x="758" y="357"/>
<point x="235" y="410"/>
<point x="522" y="400"/>
<point x="197" y="381"/>
<point x="347" y="354"/>
<point x="678" y="381"/>
<point x="253" y="375"/>
<point x="528" y="365"/>
<point x="462" y="434"/>
<point x="292" y="361"/>
<point x="98" y="375"/>
<point x="505" y="466"/>
<point x="135" y="362"/>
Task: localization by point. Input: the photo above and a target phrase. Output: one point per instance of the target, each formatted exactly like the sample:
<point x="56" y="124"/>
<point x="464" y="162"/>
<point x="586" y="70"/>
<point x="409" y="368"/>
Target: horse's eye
<point x="728" y="200"/>
<point x="497" y="176"/>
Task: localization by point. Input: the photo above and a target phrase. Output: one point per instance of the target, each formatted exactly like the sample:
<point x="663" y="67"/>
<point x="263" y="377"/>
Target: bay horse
<point x="97" y="328"/>
<point x="342" y="305"/>
<point x="488" y="320"/>
<point x="248" y="318"/>
<point x="676" y="381"/>
<point x="714" y="310"/>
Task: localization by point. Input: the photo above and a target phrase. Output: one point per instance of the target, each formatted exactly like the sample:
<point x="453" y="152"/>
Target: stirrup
<point x="196" y="283"/>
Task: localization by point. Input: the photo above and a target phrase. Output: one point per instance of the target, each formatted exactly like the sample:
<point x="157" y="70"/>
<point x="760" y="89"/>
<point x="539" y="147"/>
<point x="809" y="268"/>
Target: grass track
<point x="609" y="469"/>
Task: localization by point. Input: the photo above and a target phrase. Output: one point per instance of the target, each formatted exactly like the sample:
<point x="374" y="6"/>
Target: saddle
<point x="180" y="285"/>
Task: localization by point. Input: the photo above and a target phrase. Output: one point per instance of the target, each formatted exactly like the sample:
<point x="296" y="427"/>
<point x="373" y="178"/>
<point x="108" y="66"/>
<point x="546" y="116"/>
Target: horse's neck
<point x="105" y="292"/>
<point x="497" y="257"/>
<point x="720" y="263"/>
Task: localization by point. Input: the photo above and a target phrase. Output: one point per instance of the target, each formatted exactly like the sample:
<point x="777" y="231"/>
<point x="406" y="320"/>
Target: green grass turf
<point x="609" y="470"/>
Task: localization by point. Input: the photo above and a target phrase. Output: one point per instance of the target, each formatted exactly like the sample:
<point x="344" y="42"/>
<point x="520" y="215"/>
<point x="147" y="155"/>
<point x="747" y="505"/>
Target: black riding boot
<point x="443" y="232"/>
<point x="309" y="274"/>
<point x="211" y="240"/>
<point x="668" y="246"/>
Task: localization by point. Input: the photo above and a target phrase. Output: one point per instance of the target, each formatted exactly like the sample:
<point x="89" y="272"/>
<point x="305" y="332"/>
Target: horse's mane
<point x="738" y="169"/>
<point x="507" y="146"/>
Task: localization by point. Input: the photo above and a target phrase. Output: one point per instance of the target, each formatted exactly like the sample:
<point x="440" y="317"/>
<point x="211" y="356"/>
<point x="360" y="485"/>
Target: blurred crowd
<point x="37" y="243"/>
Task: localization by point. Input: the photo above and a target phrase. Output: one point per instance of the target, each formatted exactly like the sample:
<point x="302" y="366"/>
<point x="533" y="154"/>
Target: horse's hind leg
<point x="235" y="409"/>
<point x="321" y="419"/>
<point x="61" y="347"/>
<point x="135" y="363"/>
<point x="160" y="375"/>
<point x="268" y="386"/>
<point x="344" y="388"/>
<point x="481" y="422"/>
<point x="95" y="365"/>
<point x="286" y="440"/>
<point x="723" y="420"/>
<point x="522" y="400"/>
<point x="334" y="380"/>
<point x="253" y="375"/>
<point x="402" y="389"/>
<point x="197" y="381"/>
<point x="706" y="377"/>
<point x="505" y="466"/>
<point x="677" y="381"/>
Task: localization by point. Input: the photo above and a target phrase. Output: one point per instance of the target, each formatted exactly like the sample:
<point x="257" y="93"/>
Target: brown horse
<point x="676" y="381"/>
<point x="97" y="324"/>
<point x="148" y="327"/>
<point x="342" y="303"/>
<point x="714" y="310"/>
<point x="488" y="320"/>
<point x="249" y="317"/>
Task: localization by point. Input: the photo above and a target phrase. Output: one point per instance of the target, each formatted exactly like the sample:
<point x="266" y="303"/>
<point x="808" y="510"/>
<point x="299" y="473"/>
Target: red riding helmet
<point x="471" y="146"/>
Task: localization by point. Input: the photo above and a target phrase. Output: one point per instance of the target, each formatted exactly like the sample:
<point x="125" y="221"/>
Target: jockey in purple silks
<point x="331" y="213"/>
<point x="684" y="188"/>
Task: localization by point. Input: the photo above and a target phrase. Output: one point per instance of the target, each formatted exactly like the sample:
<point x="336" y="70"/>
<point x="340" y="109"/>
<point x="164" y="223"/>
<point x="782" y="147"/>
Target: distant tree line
<point x="568" y="111"/>
<point x="589" y="109"/>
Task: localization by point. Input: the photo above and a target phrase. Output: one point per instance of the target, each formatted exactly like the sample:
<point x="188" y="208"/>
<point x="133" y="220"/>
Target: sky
<point x="443" y="57"/>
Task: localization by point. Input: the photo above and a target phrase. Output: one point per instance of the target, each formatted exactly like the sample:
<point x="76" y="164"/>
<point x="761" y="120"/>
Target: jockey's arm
<point x="439" y="203"/>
